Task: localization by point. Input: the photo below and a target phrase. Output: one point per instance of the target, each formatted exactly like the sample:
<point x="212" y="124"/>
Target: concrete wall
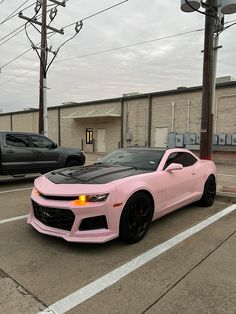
<point x="136" y="122"/>
<point x="187" y="118"/>
<point x="225" y="120"/>
<point x="73" y="131"/>
<point x="5" y="122"/>
<point x="52" y="125"/>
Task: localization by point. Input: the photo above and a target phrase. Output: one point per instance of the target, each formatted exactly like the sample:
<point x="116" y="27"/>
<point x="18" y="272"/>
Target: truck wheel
<point x="73" y="163"/>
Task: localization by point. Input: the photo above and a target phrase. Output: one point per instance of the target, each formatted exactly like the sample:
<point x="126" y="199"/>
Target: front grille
<point x="54" y="217"/>
<point x="59" y="198"/>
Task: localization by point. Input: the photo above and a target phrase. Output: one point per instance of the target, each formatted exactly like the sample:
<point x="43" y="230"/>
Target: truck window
<point x="40" y="141"/>
<point x="17" y="140"/>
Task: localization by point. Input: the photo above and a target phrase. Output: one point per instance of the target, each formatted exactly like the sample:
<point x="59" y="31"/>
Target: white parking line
<point x="12" y="219"/>
<point x="17" y="190"/>
<point x="115" y="275"/>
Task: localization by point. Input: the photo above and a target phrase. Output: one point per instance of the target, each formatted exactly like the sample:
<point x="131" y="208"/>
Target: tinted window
<point x="40" y="141"/>
<point x="185" y="159"/>
<point x="17" y="140"/>
<point x="140" y="159"/>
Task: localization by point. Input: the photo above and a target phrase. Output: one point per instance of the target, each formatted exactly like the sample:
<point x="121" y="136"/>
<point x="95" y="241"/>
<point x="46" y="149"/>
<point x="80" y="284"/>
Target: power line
<point x="228" y="25"/>
<point x="18" y="28"/>
<point x="11" y="37"/>
<point x="10" y="16"/>
<point x="88" y="17"/>
<point x="97" y="13"/>
<point x="17" y="57"/>
<point x="138" y="43"/>
<point x="78" y="29"/>
<point x="12" y="32"/>
<point x="113" y="49"/>
<point x="131" y="45"/>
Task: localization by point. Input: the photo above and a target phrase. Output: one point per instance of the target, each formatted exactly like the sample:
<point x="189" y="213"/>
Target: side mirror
<point x="173" y="167"/>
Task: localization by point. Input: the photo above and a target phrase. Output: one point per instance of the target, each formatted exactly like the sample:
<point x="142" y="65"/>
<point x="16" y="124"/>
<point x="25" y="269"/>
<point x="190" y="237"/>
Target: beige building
<point x="160" y="119"/>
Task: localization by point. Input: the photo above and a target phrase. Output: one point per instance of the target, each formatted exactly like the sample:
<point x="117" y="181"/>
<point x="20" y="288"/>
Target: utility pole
<point x="43" y="125"/>
<point x="208" y="82"/>
<point x="214" y="23"/>
<point x="43" y="121"/>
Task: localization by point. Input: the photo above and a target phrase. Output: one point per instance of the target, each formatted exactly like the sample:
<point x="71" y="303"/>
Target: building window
<point x="89" y="136"/>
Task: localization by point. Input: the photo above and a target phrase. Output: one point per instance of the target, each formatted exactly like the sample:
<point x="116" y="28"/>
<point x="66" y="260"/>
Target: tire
<point x="209" y="192"/>
<point x="73" y="163"/>
<point x="136" y="218"/>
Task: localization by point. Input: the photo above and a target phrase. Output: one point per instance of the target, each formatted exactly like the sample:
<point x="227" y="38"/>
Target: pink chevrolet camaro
<point x="120" y="194"/>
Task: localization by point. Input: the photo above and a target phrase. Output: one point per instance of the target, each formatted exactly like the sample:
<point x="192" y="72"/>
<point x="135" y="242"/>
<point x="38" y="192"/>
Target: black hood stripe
<point x="93" y="174"/>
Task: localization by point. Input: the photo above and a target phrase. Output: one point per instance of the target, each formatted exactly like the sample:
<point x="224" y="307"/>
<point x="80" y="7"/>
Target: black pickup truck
<point x="22" y="153"/>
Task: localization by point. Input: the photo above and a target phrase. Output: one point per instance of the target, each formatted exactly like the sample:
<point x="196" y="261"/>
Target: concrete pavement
<point x="196" y="276"/>
<point x="226" y="179"/>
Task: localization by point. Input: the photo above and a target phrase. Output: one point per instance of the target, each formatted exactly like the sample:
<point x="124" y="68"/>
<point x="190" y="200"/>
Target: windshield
<point x="140" y="159"/>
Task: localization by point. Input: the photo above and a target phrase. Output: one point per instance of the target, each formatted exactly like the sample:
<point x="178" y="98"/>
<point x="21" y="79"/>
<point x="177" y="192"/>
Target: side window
<point x="17" y="140"/>
<point x="185" y="159"/>
<point x="188" y="160"/>
<point x="40" y="141"/>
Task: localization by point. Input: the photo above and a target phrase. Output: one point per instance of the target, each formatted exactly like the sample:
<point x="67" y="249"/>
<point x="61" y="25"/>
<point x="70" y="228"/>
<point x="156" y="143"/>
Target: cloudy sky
<point x="86" y="70"/>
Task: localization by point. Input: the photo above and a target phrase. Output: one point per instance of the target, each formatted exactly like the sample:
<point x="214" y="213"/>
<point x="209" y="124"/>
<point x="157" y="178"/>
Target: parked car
<point x="22" y="152"/>
<point x="120" y="194"/>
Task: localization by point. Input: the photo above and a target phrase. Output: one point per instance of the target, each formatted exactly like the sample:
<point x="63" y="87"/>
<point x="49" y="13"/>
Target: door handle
<point x="194" y="172"/>
<point x="10" y="151"/>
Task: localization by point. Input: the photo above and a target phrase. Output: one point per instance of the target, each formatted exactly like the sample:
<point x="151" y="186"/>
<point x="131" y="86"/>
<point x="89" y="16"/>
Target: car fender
<point x="207" y="168"/>
<point x="124" y="191"/>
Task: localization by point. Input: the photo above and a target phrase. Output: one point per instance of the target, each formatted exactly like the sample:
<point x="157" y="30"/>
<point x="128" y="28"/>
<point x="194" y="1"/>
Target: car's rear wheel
<point x="136" y="218"/>
<point x="209" y="193"/>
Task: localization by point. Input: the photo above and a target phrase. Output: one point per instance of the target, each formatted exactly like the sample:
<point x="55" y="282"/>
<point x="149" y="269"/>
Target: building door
<point x="161" y="137"/>
<point x="101" y="144"/>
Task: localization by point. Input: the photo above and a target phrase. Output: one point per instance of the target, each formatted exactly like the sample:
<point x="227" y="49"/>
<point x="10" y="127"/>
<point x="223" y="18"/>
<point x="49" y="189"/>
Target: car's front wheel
<point x="136" y="217"/>
<point x="209" y="193"/>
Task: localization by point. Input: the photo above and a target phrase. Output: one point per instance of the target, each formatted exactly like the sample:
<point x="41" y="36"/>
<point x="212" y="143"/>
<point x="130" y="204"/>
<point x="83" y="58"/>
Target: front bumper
<point x="81" y="213"/>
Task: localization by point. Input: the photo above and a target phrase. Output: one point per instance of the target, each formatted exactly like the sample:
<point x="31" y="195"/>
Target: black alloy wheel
<point x="209" y="193"/>
<point x="136" y="218"/>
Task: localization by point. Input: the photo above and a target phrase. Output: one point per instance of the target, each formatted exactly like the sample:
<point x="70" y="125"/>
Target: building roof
<point x="96" y="113"/>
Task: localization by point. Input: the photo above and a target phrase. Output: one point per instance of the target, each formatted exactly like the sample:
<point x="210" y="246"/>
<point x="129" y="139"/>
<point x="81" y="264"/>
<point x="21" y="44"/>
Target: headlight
<point x="91" y="198"/>
<point x="96" y="197"/>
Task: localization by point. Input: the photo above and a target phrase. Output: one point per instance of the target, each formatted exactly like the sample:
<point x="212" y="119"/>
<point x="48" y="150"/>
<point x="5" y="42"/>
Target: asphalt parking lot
<point x="164" y="273"/>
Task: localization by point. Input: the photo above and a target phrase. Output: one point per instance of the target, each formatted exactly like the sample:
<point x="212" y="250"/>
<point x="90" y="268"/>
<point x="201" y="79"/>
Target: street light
<point x="228" y="6"/>
<point x="191" y="6"/>
<point x="214" y="11"/>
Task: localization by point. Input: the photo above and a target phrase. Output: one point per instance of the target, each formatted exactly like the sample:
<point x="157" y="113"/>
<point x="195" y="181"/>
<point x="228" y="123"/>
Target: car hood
<point x="93" y="174"/>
